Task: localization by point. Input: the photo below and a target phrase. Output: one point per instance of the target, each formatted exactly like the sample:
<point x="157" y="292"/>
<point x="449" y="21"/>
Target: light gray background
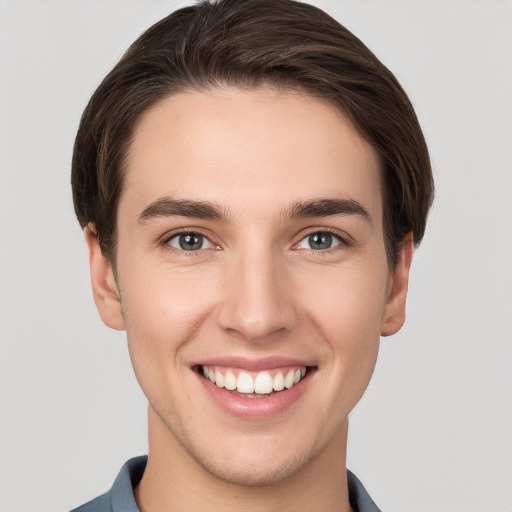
<point x="434" y="431"/>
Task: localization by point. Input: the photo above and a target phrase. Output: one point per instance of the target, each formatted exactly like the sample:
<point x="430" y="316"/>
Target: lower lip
<point x="255" y="408"/>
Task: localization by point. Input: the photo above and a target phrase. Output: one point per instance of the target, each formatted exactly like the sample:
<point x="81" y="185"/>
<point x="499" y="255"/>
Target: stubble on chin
<point x="242" y="468"/>
<point x="245" y="472"/>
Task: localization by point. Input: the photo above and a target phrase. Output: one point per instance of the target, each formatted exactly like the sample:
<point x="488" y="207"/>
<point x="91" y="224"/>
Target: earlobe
<point x="393" y="317"/>
<point x="104" y="286"/>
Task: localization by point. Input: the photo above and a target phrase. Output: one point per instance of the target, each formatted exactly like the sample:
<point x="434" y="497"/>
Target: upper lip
<point x="244" y="363"/>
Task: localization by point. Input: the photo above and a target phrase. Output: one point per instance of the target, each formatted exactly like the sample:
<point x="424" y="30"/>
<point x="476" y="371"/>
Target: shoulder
<point x="99" y="504"/>
<point x="120" y="498"/>
<point x="359" y="498"/>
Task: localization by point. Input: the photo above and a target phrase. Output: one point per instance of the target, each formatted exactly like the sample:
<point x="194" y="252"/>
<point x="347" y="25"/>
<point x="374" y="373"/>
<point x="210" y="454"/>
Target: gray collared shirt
<point x="120" y="498"/>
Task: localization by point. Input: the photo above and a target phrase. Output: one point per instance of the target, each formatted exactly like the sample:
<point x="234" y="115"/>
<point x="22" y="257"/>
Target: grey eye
<point x="319" y="241"/>
<point x="189" y="242"/>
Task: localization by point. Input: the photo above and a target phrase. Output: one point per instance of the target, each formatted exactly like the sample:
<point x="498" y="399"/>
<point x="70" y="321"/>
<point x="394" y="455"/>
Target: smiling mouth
<point x="260" y="384"/>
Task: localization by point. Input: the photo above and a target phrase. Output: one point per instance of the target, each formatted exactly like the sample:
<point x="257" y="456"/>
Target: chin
<point x="251" y="470"/>
<point x="254" y="459"/>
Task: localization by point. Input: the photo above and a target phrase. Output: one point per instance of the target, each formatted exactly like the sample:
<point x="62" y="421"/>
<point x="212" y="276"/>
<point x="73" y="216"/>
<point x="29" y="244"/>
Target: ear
<point x="104" y="286"/>
<point x="393" y="317"/>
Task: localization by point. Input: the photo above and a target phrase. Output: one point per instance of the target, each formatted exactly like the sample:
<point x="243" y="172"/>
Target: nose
<point x="257" y="299"/>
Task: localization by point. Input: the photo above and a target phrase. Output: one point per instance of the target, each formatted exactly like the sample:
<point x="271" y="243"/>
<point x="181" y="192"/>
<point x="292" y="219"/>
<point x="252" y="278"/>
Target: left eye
<point x="189" y="242"/>
<point x="319" y="241"/>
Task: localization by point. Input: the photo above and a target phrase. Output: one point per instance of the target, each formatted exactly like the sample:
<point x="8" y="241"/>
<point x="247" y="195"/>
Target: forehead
<point x="249" y="148"/>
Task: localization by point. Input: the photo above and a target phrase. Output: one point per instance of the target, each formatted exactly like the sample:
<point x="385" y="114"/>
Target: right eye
<point x="189" y="242"/>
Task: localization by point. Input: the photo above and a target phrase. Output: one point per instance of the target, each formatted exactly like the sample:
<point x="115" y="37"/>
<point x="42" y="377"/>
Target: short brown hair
<point x="251" y="43"/>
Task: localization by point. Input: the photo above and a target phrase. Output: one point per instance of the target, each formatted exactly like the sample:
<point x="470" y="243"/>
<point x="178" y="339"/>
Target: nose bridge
<point x="257" y="300"/>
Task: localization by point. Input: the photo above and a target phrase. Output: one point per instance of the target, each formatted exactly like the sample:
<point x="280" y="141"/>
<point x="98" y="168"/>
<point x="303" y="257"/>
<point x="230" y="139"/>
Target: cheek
<point x="347" y="311"/>
<point x="348" y="304"/>
<point x="163" y="310"/>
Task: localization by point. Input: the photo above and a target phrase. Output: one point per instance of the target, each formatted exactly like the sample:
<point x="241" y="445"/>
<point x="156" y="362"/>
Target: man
<point x="251" y="182"/>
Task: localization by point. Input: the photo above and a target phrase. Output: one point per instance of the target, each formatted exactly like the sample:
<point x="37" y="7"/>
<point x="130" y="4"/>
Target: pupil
<point x="191" y="242"/>
<point x="320" y="241"/>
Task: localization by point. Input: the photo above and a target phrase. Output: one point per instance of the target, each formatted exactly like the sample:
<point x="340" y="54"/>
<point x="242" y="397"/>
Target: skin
<point x="257" y="288"/>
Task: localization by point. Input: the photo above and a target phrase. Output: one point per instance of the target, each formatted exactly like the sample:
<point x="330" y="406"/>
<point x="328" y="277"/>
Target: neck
<point x="174" y="482"/>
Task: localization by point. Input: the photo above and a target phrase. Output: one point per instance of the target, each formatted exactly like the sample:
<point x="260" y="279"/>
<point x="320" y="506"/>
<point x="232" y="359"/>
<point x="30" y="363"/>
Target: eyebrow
<point x="326" y="208"/>
<point x="168" y="207"/>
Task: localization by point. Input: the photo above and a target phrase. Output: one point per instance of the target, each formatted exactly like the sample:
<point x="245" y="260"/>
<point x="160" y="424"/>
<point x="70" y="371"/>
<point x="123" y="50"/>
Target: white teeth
<point x="279" y="382"/>
<point x="219" y="379"/>
<point x="245" y="383"/>
<point x="288" y="380"/>
<point x="230" y="381"/>
<point x="263" y="383"/>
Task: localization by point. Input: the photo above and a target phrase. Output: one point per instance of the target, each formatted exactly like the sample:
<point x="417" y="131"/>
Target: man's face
<point x="251" y="250"/>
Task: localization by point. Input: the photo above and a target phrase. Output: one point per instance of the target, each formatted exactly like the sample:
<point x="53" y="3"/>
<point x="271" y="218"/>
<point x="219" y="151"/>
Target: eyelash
<point x="176" y="234"/>
<point x="343" y="240"/>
